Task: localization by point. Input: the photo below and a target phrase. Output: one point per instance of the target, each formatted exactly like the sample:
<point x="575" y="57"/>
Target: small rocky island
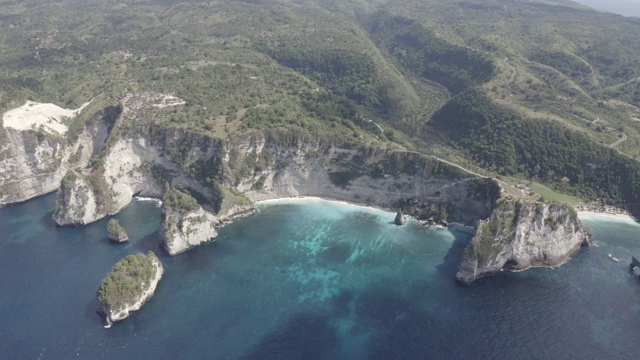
<point x="518" y="236"/>
<point x="131" y="282"/>
<point x="116" y="231"/>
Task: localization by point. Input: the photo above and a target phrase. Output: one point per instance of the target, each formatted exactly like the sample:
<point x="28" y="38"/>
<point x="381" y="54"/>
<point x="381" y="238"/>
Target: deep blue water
<point x="309" y="281"/>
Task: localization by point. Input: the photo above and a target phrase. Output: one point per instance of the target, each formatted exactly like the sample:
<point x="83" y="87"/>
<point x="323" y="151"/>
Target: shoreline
<point x="316" y="199"/>
<point x="594" y="214"/>
<point x="391" y="212"/>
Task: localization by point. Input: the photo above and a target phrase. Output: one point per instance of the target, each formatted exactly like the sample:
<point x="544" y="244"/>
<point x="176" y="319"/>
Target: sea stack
<point x="518" y="236"/>
<point x="399" y="218"/>
<point x="116" y="231"/>
<point x="185" y="224"/>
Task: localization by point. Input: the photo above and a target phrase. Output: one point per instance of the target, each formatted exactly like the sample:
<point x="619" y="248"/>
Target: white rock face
<point x="181" y="232"/>
<point x="122" y="177"/>
<point x="81" y="205"/>
<point x="123" y="174"/>
<point x="306" y="175"/>
<point x="132" y="165"/>
<point x="33" y="164"/>
<point x="115" y="315"/>
<point x="517" y="237"/>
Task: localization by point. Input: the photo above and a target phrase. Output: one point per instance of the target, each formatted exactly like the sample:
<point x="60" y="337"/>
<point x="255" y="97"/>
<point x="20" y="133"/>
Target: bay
<point x="309" y="280"/>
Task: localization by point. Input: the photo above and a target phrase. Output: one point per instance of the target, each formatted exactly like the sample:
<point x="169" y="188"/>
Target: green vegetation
<point x="486" y="248"/>
<point x="128" y="279"/>
<point x="512" y="88"/>
<point x="115" y="230"/>
<point x="505" y="142"/>
<point x="544" y="191"/>
<point x="420" y="51"/>
<point x="425" y="210"/>
<point x="179" y="199"/>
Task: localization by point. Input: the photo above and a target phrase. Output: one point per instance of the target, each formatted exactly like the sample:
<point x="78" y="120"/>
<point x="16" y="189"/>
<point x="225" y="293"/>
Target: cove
<point x="308" y="280"/>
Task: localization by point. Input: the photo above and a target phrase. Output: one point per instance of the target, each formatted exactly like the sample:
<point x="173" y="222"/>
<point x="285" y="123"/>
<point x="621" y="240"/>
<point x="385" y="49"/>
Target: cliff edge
<point x="187" y="224"/>
<point x="518" y="236"/>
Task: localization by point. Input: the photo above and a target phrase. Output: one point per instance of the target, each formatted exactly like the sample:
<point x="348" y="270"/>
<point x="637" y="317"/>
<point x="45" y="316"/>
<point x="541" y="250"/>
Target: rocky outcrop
<point x="183" y="231"/>
<point x="375" y="177"/>
<point x="33" y="162"/>
<point x="399" y="218"/>
<point x="79" y="200"/>
<point x="130" y="284"/>
<point x="116" y="232"/>
<point x="266" y="167"/>
<point x="518" y="236"/>
<point x="187" y="224"/>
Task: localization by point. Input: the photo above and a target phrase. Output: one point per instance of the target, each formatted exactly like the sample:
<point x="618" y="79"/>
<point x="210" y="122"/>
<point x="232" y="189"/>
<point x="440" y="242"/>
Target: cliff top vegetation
<point x="128" y="279"/>
<point x="180" y="200"/>
<point x="558" y="82"/>
<point x="114" y="228"/>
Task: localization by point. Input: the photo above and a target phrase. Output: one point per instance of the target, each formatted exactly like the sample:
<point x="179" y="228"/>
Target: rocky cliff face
<point x="180" y="232"/>
<point x="33" y="163"/>
<point x="265" y="168"/>
<point x="376" y="177"/>
<point x="116" y="232"/>
<point x="261" y="168"/>
<point x="183" y="230"/>
<point x="143" y="158"/>
<point x="78" y="200"/>
<point x="518" y="236"/>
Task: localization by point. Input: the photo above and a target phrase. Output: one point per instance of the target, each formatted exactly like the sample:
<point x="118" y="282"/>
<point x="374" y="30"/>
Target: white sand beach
<point x="587" y="214"/>
<point x="318" y="200"/>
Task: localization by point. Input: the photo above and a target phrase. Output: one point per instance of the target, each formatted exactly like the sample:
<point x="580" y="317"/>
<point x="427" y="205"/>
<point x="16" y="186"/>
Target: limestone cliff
<point x="518" y="236"/>
<point x="78" y="200"/>
<point x="33" y="162"/>
<point x="265" y="167"/>
<point x="187" y="224"/>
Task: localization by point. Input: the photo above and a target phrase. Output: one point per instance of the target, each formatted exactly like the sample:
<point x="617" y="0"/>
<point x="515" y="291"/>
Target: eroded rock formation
<point x="518" y="236"/>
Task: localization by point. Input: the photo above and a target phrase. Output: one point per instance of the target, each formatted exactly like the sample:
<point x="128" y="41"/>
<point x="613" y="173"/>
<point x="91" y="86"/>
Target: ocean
<point x="310" y="280"/>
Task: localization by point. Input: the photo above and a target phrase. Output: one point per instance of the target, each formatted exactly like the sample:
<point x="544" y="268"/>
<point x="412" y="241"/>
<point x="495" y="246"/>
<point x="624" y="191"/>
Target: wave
<point x="156" y="200"/>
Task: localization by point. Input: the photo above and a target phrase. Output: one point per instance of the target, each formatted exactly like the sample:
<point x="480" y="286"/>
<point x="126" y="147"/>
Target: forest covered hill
<point x="547" y="91"/>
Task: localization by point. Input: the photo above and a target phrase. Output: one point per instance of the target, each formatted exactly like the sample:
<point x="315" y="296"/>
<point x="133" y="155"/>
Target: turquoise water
<point x="309" y="281"/>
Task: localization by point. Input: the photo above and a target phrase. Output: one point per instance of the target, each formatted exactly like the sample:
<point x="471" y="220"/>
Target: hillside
<point x="544" y="91"/>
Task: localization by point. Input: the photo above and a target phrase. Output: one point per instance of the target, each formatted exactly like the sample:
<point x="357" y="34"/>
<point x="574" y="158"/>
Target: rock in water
<point x="131" y="282"/>
<point x="116" y="231"/>
<point x="185" y="224"/>
<point x="399" y="218"/>
<point x="519" y="236"/>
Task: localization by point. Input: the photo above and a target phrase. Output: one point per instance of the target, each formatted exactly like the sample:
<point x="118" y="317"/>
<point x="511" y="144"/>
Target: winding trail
<point x="460" y="167"/>
<point x="622" y="135"/>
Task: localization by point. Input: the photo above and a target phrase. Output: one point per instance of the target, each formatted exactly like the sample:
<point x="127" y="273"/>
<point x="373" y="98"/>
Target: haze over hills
<point x="622" y="7"/>
<point x="547" y="91"/>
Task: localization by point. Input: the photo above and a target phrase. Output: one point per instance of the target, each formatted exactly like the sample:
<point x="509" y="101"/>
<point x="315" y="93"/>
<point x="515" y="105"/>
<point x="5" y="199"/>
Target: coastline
<point x="319" y="200"/>
<point x="594" y="214"/>
<point x="387" y="211"/>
